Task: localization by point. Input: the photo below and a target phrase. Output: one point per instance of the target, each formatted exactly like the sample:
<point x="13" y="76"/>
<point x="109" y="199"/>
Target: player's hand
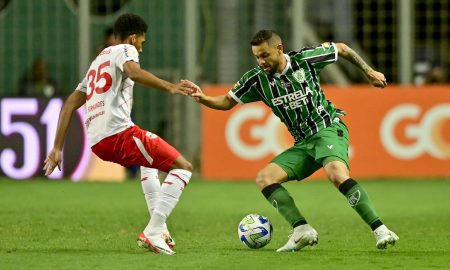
<point x="52" y="161"/>
<point x="191" y="86"/>
<point x="180" y="89"/>
<point x="195" y="92"/>
<point x="377" y="79"/>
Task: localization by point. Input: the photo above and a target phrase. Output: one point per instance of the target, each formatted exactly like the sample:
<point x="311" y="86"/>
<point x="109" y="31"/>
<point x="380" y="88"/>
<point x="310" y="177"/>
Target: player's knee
<point x="186" y="165"/>
<point x="336" y="173"/>
<point x="182" y="163"/>
<point x="262" y="179"/>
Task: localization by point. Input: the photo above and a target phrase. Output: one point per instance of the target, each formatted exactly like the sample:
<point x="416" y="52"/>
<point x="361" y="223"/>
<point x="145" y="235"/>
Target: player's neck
<point x="282" y="65"/>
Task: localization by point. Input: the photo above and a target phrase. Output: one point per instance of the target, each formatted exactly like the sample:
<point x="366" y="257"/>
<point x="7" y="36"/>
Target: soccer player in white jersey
<point x="107" y="90"/>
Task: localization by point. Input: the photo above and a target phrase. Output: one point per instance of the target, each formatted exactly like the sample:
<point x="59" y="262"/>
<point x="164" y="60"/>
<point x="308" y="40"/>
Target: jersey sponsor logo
<point x="93" y="117"/>
<point x="353" y="198"/>
<point x="96" y="106"/>
<point x="427" y="132"/>
<point x="292" y="101"/>
<point x="300" y="76"/>
<point x="286" y="84"/>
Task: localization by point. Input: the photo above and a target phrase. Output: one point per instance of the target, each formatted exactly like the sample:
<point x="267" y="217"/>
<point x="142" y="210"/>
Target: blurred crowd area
<point x="39" y="40"/>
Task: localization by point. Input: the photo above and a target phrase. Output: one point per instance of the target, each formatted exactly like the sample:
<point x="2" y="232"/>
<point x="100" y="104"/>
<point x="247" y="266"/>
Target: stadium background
<point x="207" y="42"/>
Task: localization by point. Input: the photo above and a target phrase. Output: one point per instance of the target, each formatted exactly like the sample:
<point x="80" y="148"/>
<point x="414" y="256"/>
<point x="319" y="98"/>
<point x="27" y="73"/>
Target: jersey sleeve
<point x="82" y="86"/>
<point x="127" y="53"/>
<point x="245" y="90"/>
<point x="320" y="56"/>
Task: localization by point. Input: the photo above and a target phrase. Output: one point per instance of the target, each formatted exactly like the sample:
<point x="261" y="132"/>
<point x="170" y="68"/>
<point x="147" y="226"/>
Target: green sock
<point x="280" y="198"/>
<point x="359" y="200"/>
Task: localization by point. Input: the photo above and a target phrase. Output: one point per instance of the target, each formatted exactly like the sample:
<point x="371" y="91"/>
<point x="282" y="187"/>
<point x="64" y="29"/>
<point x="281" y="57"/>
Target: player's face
<point x="268" y="57"/>
<point x="138" y="41"/>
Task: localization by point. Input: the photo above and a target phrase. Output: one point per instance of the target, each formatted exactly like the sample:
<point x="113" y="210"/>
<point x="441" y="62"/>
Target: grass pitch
<point x="64" y="225"/>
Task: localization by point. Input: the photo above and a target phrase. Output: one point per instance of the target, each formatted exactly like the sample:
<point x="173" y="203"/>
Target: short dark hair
<point x="264" y="36"/>
<point x="129" y="24"/>
<point x="108" y="31"/>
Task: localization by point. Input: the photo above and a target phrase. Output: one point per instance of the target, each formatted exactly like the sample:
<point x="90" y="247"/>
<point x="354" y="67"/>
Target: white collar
<point x="288" y="65"/>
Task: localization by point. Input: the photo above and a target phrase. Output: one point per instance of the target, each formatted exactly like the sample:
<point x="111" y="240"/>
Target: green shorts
<point x="306" y="157"/>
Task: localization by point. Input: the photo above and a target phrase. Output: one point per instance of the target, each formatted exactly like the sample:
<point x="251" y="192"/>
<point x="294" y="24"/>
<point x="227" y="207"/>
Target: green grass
<point x="64" y="225"/>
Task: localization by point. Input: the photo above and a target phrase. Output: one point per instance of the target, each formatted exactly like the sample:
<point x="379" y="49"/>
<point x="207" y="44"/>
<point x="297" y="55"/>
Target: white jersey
<point x="109" y="93"/>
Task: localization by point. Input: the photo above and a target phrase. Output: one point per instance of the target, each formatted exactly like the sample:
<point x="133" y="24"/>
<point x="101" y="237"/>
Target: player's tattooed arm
<point x="375" y="78"/>
<point x="349" y="54"/>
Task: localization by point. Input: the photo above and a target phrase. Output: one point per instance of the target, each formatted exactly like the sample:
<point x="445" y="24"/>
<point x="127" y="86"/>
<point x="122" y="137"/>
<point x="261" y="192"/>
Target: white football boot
<point x="384" y="237"/>
<point x="302" y="236"/>
<point x="156" y="243"/>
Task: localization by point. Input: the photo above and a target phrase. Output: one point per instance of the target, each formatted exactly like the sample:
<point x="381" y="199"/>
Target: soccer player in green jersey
<point x="289" y="84"/>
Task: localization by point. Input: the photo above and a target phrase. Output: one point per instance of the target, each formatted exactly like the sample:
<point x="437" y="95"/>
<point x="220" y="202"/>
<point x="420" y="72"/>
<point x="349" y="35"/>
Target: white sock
<point x="151" y="188"/>
<point x="171" y="190"/>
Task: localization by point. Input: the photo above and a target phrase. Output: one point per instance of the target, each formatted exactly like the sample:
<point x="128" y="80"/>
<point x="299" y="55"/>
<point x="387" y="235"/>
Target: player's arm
<point x="375" y="78"/>
<point x="73" y="102"/>
<point x="223" y="102"/>
<point x="141" y="76"/>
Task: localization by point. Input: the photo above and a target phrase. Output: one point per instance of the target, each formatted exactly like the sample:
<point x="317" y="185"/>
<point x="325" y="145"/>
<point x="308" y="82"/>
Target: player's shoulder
<point x="248" y="79"/>
<point x="126" y="49"/>
<point x="298" y="53"/>
<point x="252" y="73"/>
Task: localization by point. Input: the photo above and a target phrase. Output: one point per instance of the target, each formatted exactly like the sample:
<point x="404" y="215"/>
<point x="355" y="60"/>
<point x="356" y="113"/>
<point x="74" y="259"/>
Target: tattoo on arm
<point x="354" y="58"/>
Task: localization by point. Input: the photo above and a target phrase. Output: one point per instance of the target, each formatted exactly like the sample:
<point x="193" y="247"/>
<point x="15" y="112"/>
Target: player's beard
<point x="272" y="68"/>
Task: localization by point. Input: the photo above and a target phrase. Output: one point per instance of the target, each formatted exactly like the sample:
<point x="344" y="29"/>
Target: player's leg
<point x="287" y="166"/>
<point x="331" y="148"/>
<point x="152" y="188"/>
<point x="178" y="177"/>
<point x="179" y="172"/>
<point x="269" y="181"/>
<point x="337" y="173"/>
<point x="151" y="184"/>
<point x="359" y="200"/>
<point x="146" y="149"/>
<point x="135" y="146"/>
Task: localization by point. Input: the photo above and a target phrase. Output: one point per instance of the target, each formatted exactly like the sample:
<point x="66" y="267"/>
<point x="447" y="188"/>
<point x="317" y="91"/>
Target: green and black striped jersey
<point x="295" y="95"/>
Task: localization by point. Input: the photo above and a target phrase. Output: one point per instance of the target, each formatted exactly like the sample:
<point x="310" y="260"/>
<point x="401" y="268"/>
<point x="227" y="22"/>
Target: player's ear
<point x="132" y="39"/>
<point x="280" y="47"/>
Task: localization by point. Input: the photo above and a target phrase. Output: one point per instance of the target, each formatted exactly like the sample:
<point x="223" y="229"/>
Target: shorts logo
<point x="353" y="199"/>
<point x="151" y="135"/>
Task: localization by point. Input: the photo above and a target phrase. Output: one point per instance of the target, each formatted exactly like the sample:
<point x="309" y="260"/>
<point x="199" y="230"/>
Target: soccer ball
<point x="255" y="231"/>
